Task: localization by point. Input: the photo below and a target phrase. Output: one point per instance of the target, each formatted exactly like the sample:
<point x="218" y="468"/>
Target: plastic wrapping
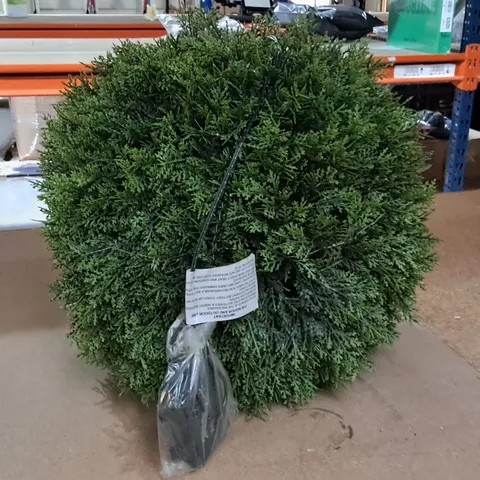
<point x="196" y="404"/>
<point x="6" y="132"/>
<point x="381" y="32"/>
<point x="434" y="124"/>
<point x="286" y="13"/>
<point x="457" y="29"/>
<point x="227" y="23"/>
<point x="171" y="23"/>
<point x="173" y="26"/>
<point x="335" y="21"/>
<point x="29" y="117"/>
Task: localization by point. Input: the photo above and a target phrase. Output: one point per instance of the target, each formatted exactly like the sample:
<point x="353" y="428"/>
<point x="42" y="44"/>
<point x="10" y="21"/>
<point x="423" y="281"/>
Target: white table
<point x="20" y="207"/>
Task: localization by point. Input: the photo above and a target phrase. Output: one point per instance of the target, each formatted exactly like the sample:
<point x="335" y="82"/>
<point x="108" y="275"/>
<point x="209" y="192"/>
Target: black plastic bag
<point x="434" y="124"/>
<point x="335" y="21"/>
<point x="196" y="404"/>
<point x="344" y="21"/>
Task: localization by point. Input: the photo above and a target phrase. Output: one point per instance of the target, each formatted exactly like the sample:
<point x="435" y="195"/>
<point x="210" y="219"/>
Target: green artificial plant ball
<point x="327" y="193"/>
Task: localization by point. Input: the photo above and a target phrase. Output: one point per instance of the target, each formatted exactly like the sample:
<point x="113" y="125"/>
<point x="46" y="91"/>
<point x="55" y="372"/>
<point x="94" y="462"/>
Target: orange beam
<point x="406" y="81"/>
<point x="389" y="78"/>
<point x="32" y="85"/>
<point x="79" y="30"/>
<point x="465" y="77"/>
<point x="41" y="69"/>
<point x="21" y="85"/>
<point x="430" y="58"/>
<point x="38" y="80"/>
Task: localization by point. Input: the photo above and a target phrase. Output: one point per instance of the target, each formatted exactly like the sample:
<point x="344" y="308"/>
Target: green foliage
<point x="327" y="193"/>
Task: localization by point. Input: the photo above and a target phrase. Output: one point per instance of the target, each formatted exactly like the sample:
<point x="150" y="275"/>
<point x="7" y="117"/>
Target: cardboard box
<point x="438" y="161"/>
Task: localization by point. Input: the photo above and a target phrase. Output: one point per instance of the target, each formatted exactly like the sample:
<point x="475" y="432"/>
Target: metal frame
<point x="463" y="105"/>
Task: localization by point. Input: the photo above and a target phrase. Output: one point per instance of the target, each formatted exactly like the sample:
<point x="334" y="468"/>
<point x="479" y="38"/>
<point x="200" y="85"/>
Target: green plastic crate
<point x="422" y="25"/>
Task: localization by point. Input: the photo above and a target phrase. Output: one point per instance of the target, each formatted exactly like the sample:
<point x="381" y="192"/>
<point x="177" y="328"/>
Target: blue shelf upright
<point x="463" y="103"/>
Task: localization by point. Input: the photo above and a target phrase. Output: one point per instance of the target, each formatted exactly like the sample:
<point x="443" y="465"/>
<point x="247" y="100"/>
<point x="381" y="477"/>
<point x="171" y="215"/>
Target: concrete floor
<point x="415" y="417"/>
<point x="449" y="306"/>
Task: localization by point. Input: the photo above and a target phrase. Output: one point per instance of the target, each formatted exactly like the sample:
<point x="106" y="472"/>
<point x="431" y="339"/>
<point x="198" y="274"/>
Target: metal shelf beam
<point x="20" y="77"/>
<point x="81" y="26"/>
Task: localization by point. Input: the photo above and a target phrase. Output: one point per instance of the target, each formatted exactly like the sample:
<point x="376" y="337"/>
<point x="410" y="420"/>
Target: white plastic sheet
<point x="172" y="24"/>
<point x="29" y="117"/>
<point x="6" y="131"/>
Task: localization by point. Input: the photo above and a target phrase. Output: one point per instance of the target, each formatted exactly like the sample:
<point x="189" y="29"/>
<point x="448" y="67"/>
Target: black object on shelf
<point x="434" y="124"/>
<point x="335" y="21"/>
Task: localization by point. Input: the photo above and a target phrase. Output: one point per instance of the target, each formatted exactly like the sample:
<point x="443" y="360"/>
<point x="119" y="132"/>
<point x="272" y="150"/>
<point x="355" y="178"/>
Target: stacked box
<point x="422" y="25"/>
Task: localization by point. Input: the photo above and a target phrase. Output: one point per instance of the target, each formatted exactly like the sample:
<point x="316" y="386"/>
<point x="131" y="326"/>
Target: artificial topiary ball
<point x="327" y="193"/>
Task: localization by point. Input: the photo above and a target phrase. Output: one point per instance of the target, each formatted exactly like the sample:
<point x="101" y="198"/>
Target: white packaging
<point x="29" y="117"/>
<point x="18" y="8"/>
<point x="457" y="30"/>
<point x="6" y="131"/>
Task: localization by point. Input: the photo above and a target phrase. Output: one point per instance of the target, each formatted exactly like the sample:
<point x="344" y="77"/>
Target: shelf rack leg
<point x="471" y="24"/>
<point x="462" y="107"/>
<point x="458" y="144"/>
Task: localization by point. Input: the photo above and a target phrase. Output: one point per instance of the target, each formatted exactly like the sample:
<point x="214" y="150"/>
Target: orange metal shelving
<point x="82" y="30"/>
<point x="33" y="80"/>
<point x="465" y="75"/>
<point x="36" y="80"/>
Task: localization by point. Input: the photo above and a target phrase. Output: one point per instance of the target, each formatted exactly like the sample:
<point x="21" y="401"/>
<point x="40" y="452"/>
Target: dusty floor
<point x="450" y="304"/>
<point x="416" y="417"/>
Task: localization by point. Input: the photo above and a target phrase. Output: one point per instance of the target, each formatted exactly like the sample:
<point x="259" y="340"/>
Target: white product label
<point x="258" y="4"/>
<point x="446" y="22"/>
<point x="223" y="293"/>
<point x="432" y="70"/>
